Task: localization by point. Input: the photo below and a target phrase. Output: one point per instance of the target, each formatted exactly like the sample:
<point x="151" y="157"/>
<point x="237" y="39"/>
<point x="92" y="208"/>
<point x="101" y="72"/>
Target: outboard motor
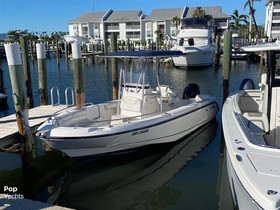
<point x="191" y="91"/>
<point x="247" y="84"/>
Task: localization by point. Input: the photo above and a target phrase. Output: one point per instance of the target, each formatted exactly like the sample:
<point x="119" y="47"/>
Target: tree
<point x="252" y="11"/>
<point x="198" y="12"/>
<point x="176" y="21"/>
<point x="238" y="20"/>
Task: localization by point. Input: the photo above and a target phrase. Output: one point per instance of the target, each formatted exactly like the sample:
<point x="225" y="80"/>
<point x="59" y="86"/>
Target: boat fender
<point x="247" y="84"/>
<point x="191" y="91"/>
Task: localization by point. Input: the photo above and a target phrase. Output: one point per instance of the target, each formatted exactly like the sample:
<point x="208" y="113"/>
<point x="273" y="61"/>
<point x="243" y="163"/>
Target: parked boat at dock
<point x="195" y="41"/>
<point x="141" y="115"/>
<point x="251" y="126"/>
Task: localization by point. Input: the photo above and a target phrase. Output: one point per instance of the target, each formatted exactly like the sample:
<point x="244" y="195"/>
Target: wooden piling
<point x="128" y="45"/>
<point x="115" y="81"/>
<point x="92" y="48"/>
<point x="226" y="62"/>
<point x="217" y="51"/>
<point x="42" y="73"/>
<point x="57" y="51"/>
<point x="17" y="80"/>
<point x="26" y="67"/>
<point x="78" y="74"/>
<point x="66" y="52"/>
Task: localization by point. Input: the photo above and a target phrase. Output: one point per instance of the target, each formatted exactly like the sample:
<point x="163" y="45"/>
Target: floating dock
<point x="37" y="115"/>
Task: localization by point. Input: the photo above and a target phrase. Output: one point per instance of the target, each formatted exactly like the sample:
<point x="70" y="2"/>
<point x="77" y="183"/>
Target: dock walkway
<point x="37" y="115"/>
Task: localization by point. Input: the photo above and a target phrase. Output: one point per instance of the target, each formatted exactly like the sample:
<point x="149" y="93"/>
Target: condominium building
<point x="136" y="26"/>
<point x="272" y="22"/>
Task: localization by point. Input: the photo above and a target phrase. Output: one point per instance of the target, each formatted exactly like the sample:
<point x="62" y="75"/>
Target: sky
<point x="52" y="15"/>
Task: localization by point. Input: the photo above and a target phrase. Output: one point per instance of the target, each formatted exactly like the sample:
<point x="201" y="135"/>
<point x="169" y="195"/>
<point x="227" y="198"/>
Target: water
<point x="189" y="174"/>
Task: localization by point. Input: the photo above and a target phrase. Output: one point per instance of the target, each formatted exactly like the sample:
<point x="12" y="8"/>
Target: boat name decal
<point x="140" y="132"/>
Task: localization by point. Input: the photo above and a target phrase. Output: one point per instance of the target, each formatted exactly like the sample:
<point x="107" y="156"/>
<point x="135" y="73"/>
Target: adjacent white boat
<point x="141" y="116"/>
<point x="195" y="41"/>
<point x="251" y="125"/>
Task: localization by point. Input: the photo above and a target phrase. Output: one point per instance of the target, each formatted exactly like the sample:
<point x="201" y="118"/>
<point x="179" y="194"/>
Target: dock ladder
<point x="66" y="92"/>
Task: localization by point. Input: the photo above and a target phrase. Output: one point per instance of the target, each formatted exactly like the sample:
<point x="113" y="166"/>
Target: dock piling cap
<point x="41" y="50"/>
<point x="13" y="54"/>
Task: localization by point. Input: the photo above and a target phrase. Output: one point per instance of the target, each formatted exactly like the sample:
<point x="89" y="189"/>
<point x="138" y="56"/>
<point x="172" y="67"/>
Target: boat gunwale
<point x="134" y="129"/>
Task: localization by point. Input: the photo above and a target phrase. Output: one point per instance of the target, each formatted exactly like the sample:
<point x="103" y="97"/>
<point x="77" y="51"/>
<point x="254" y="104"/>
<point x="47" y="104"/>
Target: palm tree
<point x="198" y="12"/>
<point x="250" y="3"/>
<point x="238" y="20"/>
<point x="176" y="21"/>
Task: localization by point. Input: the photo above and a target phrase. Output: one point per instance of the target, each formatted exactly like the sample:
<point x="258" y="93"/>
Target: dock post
<point x="128" y="45"/>
<point x="31" y="49"/>
<point x="105" y="52"/>
<point x="92" y="48"/>
<point x="114" y="48"/>
<point x="78" y="74"/>
<point x="57" y="51"/>
<point x="66" y="53"/>
<point x="217" y="51"/>
<point x="17" y="81"/>
<point x="42" y="73"/>
<point x="226" y="63"/>
<point x="26" y="67"/>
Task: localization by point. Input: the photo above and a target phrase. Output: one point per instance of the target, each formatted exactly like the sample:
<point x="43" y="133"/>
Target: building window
<point x="149" y="34"/>
<point x="275" y="26"/>
<point x="84" y="30"/>
<point x="276" y="16"/>
<point x="96" y="26"/>
<point x="133" y="25"/>
<point x="112" y="26"/>
<point x="133" y="35"/>
<point x="108" y="35"/>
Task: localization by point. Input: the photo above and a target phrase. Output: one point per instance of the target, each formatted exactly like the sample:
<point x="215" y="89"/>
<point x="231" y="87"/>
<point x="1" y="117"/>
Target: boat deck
<point x="37" y="115"/>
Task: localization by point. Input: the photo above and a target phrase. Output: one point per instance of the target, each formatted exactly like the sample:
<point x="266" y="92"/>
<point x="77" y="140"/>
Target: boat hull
<point x="163" y="129"/>
<point x="196" y="57"/>
<point x="241" y="198"/>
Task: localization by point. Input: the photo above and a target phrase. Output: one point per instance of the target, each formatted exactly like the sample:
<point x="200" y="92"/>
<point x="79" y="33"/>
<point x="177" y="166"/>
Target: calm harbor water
<point x="189" y="174"/>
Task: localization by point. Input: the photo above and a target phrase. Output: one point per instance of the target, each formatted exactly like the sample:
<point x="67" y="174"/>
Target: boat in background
<point x="251" y="127"/>
<point x="237" y="43"/>
<point x="195" y="41"/>
<point x="75" y="39"/>
<point x="142" y="115"/>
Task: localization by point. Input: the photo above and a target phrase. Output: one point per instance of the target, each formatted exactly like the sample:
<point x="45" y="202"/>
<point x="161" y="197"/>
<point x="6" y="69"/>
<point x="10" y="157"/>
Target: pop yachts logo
<point x="11" y="193"/>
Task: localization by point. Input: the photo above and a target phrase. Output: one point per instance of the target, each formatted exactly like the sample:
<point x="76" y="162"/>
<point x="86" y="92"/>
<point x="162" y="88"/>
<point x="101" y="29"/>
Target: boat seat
<point x="130" y="108"/>
<point x="257" y="122"/>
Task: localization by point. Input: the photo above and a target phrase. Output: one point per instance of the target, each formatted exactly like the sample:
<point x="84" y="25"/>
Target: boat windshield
<point x="194" y="23"/>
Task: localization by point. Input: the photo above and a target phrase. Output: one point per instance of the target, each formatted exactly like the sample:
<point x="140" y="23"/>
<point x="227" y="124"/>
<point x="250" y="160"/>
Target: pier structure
<point x="37" y="116"/>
